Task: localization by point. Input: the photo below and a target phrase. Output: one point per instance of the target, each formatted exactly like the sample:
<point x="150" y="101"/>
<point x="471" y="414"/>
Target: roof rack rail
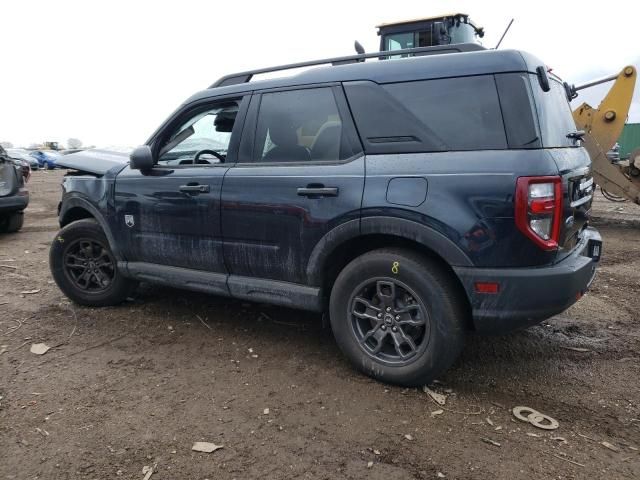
<point x="244" y="77"/>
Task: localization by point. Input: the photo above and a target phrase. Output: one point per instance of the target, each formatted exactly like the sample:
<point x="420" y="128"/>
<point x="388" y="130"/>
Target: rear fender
<point x="398" y="227"/>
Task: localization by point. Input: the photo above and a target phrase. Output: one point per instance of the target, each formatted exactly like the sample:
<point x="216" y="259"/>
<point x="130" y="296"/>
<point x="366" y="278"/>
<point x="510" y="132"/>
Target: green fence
<point x="629" y="139"/>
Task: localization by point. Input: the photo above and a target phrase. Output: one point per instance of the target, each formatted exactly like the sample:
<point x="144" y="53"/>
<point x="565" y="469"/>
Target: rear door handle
<point x="317" y="192"/>
<point x="195" y="188"/>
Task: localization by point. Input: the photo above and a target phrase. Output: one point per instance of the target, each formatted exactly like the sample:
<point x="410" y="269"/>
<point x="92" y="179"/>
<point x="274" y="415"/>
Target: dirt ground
<point x="136" y="385"/>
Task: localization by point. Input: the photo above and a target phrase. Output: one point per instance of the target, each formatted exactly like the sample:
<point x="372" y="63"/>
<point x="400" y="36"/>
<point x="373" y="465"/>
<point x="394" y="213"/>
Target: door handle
<point x="195" y="188"/>
<point x="317" y="192"/>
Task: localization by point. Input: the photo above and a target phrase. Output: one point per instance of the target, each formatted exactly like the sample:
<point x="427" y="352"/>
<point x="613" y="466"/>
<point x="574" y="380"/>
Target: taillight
<point x="539" y="209"/>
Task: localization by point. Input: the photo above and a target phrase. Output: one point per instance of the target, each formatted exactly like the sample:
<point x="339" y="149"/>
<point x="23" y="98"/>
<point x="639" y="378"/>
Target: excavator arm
<point x="602" y="127"/>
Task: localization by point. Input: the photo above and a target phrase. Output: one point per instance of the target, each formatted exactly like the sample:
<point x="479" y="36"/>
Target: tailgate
<point x="578" y="186"/>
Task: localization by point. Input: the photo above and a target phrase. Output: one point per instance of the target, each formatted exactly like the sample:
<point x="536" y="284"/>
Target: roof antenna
<point x="359" y="48"/>
<point x="505" y="32"/>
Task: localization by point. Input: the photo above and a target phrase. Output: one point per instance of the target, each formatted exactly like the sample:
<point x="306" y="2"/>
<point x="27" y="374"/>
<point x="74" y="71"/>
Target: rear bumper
<point x="14" y="203"/>
<point x="529" y="295"/>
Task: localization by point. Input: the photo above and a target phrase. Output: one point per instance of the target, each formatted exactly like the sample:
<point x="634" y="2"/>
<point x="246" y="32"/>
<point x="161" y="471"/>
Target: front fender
<point x="75" y="200"/>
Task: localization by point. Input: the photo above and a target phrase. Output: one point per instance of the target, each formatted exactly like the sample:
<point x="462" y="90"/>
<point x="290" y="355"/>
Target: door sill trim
<point x="263" y="290"/>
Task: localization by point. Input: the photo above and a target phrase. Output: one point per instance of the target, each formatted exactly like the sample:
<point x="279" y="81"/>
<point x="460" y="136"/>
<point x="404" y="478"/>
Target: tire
<point x="428" y="309"/>
<point x="12" y="222"/>
<point x="49" y="166"/>
<point x="84" y="267"/>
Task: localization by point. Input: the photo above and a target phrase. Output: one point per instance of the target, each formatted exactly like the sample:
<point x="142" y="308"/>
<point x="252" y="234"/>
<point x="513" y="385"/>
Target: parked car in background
<point x="71" y="150"/>
<point x="46" y="158"/>
<point x="20" y="154"/>
<point x="24" y="167"/>
<point x="14" y="197"/>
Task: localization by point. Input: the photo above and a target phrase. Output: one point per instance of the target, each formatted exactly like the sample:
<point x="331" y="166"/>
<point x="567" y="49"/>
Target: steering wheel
<point x="211" y="152"/>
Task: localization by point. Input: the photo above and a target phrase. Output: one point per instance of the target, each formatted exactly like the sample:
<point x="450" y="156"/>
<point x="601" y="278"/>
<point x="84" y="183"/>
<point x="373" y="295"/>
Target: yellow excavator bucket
<point x="603" y="127"/>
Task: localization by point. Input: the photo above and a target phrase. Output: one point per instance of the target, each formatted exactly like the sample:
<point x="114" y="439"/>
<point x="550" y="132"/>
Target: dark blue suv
<point x="414" y="200"/>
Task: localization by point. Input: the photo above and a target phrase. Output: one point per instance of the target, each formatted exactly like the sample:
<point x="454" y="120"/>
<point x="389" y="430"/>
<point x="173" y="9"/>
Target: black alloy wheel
<point x="89" y="265"/>
<point x="389" y="321"/>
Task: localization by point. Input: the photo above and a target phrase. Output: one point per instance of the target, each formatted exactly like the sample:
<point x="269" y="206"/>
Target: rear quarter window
<point x="464" y="113"/>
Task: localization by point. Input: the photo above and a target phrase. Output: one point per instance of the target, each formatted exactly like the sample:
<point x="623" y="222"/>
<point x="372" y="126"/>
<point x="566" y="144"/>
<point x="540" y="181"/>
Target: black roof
<point x="396" y="70"/>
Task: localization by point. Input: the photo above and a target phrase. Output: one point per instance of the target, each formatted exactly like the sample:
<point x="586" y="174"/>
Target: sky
<point x="109" y="73"/>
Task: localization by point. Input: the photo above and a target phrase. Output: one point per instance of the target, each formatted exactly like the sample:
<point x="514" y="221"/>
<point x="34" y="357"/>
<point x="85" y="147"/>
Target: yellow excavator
<point x="602" y="126"/>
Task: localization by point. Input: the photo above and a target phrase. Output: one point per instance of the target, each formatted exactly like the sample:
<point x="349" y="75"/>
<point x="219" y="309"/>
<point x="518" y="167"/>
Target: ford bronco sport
<point x="413" y="200"/>
<point x="14" y="196"/>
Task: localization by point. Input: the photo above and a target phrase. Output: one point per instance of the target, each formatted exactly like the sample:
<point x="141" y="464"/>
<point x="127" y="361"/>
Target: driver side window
<point x="203" y="139"/>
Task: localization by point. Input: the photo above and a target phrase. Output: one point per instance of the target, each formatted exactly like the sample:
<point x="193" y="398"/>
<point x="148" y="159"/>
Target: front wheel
<point x="84" y="267"/>
<point x="398" y="316"/>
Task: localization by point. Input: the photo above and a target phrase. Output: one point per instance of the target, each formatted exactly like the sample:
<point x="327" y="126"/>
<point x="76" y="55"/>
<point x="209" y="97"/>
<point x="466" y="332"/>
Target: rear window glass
<point x="518" y="110"/>
<point x="554" y="114"/>
<point x="463" y="113"/>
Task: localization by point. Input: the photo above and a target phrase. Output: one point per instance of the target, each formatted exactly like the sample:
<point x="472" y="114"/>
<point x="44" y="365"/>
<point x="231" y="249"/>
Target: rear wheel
<point x="12" y="222"/>
<point x="398" y="316"/>
<point x="84" y="267"/>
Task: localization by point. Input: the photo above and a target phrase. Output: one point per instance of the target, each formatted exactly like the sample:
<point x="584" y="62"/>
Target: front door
<point x="300" y="174"/>
<point x="170" y="215"/>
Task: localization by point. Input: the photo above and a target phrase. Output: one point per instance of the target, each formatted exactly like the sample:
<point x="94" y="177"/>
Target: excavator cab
<point x="429" y="32"/>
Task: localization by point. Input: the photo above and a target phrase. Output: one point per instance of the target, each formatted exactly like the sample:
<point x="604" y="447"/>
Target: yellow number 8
<point x="394" y="267"/>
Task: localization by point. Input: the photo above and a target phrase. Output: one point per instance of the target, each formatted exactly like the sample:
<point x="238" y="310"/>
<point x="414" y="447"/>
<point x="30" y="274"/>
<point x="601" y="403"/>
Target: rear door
<point x="170" y="215"/>
<point x="300" y="174"/>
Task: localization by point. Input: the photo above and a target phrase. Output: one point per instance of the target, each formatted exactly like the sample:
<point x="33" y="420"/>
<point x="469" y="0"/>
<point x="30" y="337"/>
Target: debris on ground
<point x="439" y="398"/>
<point x="578" y="349"/>
<point x="265" y="411"/>
<point x="440" y="475"/>
<point x="490" y="442"/>
<point x="573" y="462"/>
<point x="535" y="418"/>
<point x="369" y="464"/>
<point x="408" y="436"/>
<point x="30" y="292"/>
<point x="39" y="348"/>
<point x="437" y="412"/>
<point x="148" y="471"/>
<point x="610" y="446"/>
<point x="206" y="447"/>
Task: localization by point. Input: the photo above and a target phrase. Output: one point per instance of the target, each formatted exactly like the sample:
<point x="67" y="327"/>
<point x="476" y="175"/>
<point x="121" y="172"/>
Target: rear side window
<point x="464" y="113"/>
<point x="554" y="114"/>
<point x="301" y="125"/>
<point x="428" y="115"/>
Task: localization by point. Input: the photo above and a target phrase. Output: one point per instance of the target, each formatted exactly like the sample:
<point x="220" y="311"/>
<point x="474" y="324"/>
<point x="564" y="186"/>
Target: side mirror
<point x="141" y="158"/>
